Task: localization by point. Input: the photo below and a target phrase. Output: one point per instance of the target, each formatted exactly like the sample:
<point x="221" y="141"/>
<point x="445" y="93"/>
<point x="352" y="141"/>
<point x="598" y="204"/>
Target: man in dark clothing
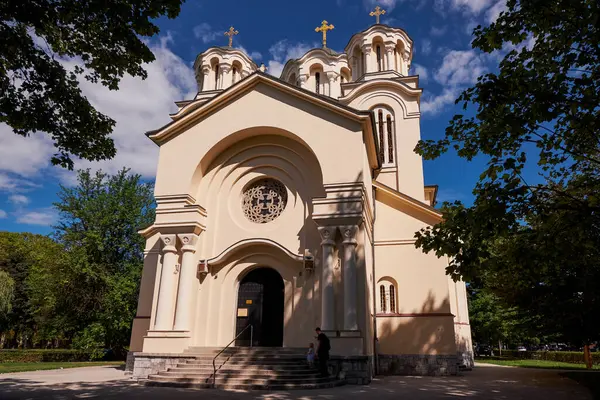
<point x="323" y="348"/>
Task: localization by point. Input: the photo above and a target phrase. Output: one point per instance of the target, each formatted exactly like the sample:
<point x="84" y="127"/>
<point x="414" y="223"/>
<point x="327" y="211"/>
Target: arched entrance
<point x="260" y="303"/>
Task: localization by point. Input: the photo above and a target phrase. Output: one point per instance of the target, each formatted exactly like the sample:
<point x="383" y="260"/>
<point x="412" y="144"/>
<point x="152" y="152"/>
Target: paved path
<point x="484" y="382"/>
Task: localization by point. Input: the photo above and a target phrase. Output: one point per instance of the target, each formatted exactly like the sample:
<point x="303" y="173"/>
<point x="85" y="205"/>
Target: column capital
<point x="390" y="47"/>
<point x="327" y="235"/>
<point x="303" y="78"/>
<point x="367" y="47"/>
<point x="225" y="67"/>
<point x="188" y="240"/>
<point x="349" y="234"/>
<point x="168" y="242"/>
<point x="206" y="69"/>
<point x="331" y="75"/>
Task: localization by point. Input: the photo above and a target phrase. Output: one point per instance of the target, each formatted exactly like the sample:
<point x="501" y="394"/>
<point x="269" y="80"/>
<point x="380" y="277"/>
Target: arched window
<point x="387" y="296"/>
<point x="386" y="134"/>
<point x="379" y="61"/>
<point x="392" y="293"/>
<point x="390" y="138"/>
<point x="233" y="75"/>
<point x="317" y="83"/>
<point x="382" y="299"/>
<point x="216" y="77"/>
<point x="381" y="136"/>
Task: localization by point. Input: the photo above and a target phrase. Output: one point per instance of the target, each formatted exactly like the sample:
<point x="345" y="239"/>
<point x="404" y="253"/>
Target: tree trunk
<point x="587" y="356"/>
<point x="500" y="347"/>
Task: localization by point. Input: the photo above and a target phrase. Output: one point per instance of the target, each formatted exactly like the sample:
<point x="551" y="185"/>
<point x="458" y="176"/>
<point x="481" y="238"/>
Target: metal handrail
<point x="225" y="348"/>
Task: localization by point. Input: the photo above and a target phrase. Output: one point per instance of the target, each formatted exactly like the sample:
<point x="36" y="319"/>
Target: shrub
<point x="91" y="340"/>
<point x="36" y="355"/>
<point x="573" y="357"/>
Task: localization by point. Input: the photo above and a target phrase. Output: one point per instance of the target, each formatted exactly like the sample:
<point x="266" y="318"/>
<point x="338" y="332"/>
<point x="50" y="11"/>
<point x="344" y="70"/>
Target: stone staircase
<point x="246" y="368"/>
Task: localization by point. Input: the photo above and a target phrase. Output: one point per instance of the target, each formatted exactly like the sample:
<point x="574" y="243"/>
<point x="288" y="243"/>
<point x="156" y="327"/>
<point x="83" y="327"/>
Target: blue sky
<point x="271" y="32"/>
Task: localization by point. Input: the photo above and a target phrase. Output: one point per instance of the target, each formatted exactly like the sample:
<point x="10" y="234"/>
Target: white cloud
<point x="438" y="31"/>
<point x="24" y="155"/>
<point x="421" y="71"/>
<point x="137" y="107"/>
<point x="425" y="46"/>
<point x="12" y="183"/>
<point x="460" y="67"/>
<point x="283" y="51"/>
<point x="18" y="199"/>
<point x="254" y="55"/>
<point x="205" y="32"/>
<point x="44" y="217"/>
<point x="435" y="104"/>
<point x="473" y="7"/>
<point x="493" y="13"/>
<point x="387" y="5"/>
<point x="3" y="214"/>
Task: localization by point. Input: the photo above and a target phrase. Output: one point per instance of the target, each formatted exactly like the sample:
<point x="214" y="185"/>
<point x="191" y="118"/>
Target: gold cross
<point x="378" y="11"/>
<point x="230" y="33"/>
<point x="324" y="28"/>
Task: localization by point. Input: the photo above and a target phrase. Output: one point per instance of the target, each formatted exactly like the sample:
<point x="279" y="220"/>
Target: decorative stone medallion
<point x="264" y="200"/>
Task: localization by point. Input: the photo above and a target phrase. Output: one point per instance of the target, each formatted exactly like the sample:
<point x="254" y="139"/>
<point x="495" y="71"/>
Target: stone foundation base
<point x="129" y="363"/>
<point x="355" y="370"/>
<point x="145" y="364"/>
<point x="417" y="364"/>
<point x="465" y="360"/>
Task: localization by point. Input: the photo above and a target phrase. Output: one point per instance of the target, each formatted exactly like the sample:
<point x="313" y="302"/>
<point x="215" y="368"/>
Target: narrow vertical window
<point x="392" y="299"/>
<point x="318" y="83"/>
<point x="379" y="58"/>
<point x="390" y="139"/>
<point x="381" y="144"/>
<point x="216" y="77"/>
<point x="234" y="73"/>
<point x="382" y="298"/>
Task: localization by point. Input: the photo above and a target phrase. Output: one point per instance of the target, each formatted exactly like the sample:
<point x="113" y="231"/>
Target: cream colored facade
<point x="338" y="131"/>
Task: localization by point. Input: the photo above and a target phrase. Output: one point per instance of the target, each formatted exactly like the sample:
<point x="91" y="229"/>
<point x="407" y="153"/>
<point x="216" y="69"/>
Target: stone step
<point x="235" y="380"/>
<point x="240" y="367"/>
<point x="228" y="386"/>
<point x="246" y="372"/>
<point x="245" y="350"/>
<point x="252" y="361"/>
<point x="239" y="374"/>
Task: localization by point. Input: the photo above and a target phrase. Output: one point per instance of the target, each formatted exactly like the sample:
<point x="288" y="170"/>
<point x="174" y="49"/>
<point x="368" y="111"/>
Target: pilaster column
<point x="303" y="79"/>
<point x="168" y="279"/>
<point x="327" y="297"/>
<point x="368" y="52"/>
<point x="405" y="64"/>
<point x="349" y="277"/>
<point x="206" y="80"/>
<point x="187" y="279"/>
<point x="332" y="92"/>
<point x="389" y="57"/>
<point x="225" y="78"/>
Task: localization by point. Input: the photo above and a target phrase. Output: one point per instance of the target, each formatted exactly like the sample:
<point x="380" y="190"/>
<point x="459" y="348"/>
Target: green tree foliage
<point x="7" y="291"/>
<point x="18" y="253"/>
<point x="534" y="241"/>
<point x="40" y="95"/>
<point x="81" y="286"/>
<point x="99" y="220"/>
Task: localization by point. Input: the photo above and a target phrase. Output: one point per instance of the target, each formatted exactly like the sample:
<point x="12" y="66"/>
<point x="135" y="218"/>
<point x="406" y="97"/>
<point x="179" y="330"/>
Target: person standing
<point x="323" y="348"/>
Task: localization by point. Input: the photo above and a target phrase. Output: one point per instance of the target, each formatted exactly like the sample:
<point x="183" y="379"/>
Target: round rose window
<point x="264" y="200"/>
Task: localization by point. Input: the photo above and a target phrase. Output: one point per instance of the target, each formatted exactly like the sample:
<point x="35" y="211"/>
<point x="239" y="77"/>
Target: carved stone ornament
<point x="264" y="200"/>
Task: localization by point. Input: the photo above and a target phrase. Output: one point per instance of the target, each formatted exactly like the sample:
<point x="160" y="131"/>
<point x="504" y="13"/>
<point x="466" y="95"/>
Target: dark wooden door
<point x="260" y="304"/>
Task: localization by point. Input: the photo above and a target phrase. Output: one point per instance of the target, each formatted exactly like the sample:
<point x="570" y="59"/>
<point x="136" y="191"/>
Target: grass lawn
<point x="38" y="366"/>
<point x="535" y="364"/>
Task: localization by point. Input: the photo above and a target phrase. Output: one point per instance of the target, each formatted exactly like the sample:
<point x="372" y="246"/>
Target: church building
<point x="289" y="203"/>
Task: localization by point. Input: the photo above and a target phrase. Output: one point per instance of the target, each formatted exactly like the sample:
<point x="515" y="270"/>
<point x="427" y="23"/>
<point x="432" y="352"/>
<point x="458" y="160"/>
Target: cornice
<point x="409" y="201"/>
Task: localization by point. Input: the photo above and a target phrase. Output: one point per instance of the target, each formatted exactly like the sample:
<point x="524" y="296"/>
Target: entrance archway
<point x="260" y="304"/>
